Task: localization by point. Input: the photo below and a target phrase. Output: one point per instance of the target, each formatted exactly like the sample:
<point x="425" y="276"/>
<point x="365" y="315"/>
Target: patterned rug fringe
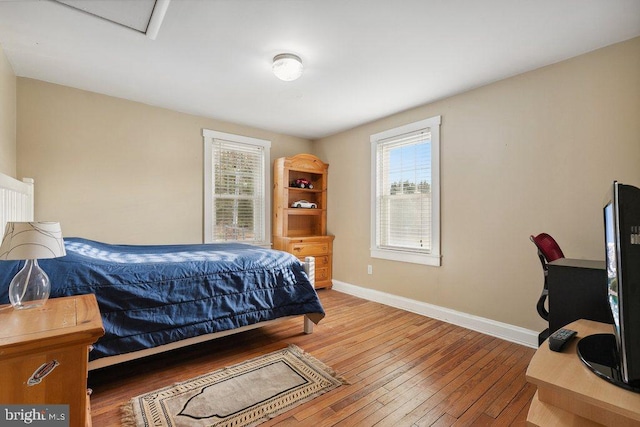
<point x="320" y="365"/>
<point x="128" y="418"/>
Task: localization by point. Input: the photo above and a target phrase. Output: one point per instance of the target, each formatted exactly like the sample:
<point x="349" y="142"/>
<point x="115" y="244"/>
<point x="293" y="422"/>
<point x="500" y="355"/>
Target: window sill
<point x="407" y="256"/>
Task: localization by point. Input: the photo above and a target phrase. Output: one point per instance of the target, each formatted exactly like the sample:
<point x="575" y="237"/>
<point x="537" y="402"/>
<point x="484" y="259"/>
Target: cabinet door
<point x="52" y="377"/>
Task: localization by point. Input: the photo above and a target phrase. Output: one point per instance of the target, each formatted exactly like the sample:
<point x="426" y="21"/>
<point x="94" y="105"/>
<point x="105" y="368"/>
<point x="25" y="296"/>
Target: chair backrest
<point x="547" y="246"/>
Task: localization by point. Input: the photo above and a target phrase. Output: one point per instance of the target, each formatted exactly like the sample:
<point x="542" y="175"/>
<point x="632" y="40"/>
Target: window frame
<point x="434" y="258"/>
<point x="209" y="136"/>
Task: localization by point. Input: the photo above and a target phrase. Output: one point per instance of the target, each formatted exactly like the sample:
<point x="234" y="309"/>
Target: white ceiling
<point x="364" y="59"/>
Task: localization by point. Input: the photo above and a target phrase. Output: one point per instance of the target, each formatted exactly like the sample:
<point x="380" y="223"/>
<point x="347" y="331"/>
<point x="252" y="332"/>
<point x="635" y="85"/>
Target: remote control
<point x="559" y="338"/>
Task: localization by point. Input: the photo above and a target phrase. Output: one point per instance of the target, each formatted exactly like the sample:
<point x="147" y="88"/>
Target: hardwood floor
<point x="403" y="369"/>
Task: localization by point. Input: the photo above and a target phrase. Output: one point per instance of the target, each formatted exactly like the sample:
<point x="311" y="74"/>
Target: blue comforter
<point x="154" y="295"/>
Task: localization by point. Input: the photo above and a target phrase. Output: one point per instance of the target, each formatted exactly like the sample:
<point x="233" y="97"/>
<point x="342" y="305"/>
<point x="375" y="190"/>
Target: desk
<point x="566" y="388"/>
<point x="577" y="290"/>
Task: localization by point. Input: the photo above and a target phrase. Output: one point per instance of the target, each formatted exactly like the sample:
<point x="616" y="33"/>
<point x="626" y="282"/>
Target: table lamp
<point x="31" y="241"/>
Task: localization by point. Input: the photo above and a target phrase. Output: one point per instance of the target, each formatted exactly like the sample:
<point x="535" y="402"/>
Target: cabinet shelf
<point x="303" y="211"/>
<point x="305" y="190"/>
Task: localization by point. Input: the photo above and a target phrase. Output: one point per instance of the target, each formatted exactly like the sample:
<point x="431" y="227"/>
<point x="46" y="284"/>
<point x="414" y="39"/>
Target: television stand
<point x="570" y="394"/>
<point x="600" y="353"/>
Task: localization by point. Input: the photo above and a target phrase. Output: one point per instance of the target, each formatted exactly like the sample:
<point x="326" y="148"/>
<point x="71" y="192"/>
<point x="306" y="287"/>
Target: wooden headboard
<point x="16" y="200"/>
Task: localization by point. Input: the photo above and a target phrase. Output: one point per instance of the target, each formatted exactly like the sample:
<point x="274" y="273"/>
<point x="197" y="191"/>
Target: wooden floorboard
<point x="403" y="369"/>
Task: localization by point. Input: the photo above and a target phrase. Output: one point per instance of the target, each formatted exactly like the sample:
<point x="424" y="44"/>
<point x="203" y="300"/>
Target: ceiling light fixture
<point x="287" y="66"/>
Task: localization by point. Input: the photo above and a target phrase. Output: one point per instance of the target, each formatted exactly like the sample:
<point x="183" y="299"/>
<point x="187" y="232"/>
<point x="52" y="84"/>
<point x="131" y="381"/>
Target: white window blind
<point x="404" y="192"/>
<point x="405" y="220"/>
<point x="235" y="191"/>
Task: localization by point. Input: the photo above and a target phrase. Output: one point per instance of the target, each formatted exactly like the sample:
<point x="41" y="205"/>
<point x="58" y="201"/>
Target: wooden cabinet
<point x="319" y="247"/>
<point x="302" y="231"/>
<point x="44" y="354"/>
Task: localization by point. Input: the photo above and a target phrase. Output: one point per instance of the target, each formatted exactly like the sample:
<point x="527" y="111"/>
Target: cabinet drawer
<point x="321" y="261"/>
<point x="322" y="273"/>
<point x="309" y="249"/>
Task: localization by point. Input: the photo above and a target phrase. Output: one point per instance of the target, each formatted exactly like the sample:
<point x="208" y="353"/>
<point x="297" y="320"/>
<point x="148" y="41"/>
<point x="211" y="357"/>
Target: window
<point x="236" y="174"/>
<point x="405" y="195"/>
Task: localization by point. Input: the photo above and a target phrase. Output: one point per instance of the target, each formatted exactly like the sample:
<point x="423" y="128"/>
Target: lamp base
<point x="30" y="287"/>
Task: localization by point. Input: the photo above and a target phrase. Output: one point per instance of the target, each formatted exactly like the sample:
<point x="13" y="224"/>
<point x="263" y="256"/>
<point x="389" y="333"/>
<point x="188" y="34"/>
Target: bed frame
<point x="17" y="204"/>
<point x="16" y="200"/>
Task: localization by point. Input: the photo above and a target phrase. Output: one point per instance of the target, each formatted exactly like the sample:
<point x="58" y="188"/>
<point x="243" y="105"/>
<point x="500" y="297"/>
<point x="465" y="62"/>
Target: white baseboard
<point x="501" y="330"/>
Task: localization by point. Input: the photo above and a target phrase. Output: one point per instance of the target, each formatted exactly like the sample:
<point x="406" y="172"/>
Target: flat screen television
<point x="616" y="357"/>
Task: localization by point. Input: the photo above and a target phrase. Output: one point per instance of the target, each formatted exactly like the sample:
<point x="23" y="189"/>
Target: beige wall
<point x="529" y="154"/>
<point x="115" y="170"/>
<point x="532" y="153"/>
<point x="7" y="117"/>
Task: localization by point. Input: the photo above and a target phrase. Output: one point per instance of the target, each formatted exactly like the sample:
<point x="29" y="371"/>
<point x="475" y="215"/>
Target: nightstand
<point x="44" y="354"/>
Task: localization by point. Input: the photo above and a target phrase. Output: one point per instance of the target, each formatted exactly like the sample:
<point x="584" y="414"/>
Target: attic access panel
<point x="143" y="16"/>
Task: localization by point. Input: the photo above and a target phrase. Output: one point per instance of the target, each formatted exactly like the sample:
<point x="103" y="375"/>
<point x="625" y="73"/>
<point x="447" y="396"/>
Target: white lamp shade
<point x="287" y="66"/>
<point x="32" y="240"/>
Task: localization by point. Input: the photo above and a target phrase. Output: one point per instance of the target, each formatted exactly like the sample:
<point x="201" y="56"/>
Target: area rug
<point x="245" y="394"/>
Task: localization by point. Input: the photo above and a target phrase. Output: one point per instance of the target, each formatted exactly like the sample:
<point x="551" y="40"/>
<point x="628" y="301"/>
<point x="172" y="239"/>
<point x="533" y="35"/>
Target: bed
<point x="156" y="298"/>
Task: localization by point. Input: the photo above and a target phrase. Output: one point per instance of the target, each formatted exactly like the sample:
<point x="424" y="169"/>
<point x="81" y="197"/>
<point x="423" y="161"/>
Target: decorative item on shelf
<point x="31" y="241"/>
<point x="304" y="204"/>
<point x="302" y="183"/>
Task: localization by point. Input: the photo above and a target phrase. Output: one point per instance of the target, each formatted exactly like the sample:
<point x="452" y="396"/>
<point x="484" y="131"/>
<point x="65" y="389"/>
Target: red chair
<point x="548" y="250"/>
